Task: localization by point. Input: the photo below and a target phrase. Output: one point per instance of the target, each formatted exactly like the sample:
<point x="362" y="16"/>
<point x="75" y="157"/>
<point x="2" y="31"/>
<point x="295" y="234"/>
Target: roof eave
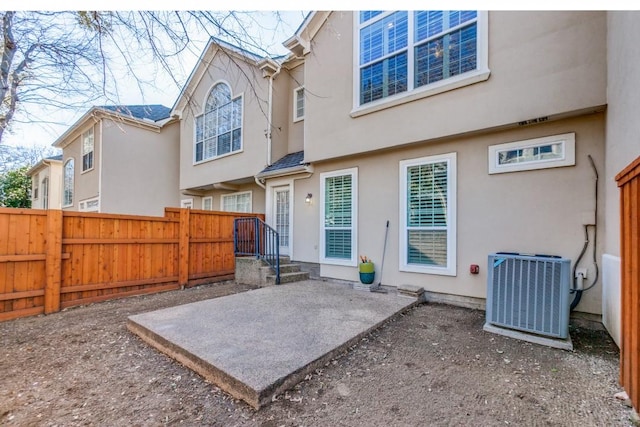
<point x="292" y="170"/>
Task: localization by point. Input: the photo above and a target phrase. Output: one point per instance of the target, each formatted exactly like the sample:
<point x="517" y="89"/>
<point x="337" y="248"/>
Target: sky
<point x="164" y="91"/>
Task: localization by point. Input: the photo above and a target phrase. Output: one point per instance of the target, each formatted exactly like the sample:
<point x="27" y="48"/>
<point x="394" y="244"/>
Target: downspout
<point x="100" y="172"/>
<point x="270" y="113"/>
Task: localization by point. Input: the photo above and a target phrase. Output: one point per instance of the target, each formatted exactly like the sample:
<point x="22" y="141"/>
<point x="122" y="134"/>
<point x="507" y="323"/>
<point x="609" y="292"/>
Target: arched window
<point x="45" y="193"/>
<point x="68" y="183"/>
<point x="219" y="129"/>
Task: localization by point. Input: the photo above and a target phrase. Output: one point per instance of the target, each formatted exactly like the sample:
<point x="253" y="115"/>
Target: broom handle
<point x="384" y="249"/>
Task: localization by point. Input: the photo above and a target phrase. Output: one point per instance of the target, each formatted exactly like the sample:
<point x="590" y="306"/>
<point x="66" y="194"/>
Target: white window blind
<point x="338" y="233"/>
<point x="87" y="150"/>
<point x="237" y="202"/>
<point x="207" y="203"/>
<point x="428" y="197"/>
<point x="299" y="104"/>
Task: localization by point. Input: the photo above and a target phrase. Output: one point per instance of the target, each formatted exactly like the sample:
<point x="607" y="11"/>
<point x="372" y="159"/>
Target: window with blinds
<point x="87" y="150"/>
<point x="207" y="203"/>
<point x="338" y="234"/>
<point x="237" y="202"/>
<point x="428" y="220"/>
<point x="298" y="99"/>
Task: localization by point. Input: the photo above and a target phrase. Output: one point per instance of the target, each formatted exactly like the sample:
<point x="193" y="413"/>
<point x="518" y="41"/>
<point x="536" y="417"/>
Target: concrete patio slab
<point x="259" y="343"/>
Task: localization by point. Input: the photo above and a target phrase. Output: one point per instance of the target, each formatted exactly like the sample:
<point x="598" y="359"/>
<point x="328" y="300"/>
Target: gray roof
<point x="58" y="157"/>
<point x="288" y="161"/>
<point x="153" y="112"/>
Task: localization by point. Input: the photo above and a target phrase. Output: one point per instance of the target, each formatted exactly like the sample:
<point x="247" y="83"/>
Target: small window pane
<point x="366" y="15"/>
<point x="338" y="244"/>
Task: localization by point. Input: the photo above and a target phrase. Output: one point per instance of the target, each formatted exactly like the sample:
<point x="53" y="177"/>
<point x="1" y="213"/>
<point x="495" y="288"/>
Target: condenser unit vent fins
<point x="529" y="293"/>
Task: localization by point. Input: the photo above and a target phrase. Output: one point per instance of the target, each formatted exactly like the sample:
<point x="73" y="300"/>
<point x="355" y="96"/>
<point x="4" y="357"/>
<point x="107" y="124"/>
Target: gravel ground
<point x="433" y="365"/>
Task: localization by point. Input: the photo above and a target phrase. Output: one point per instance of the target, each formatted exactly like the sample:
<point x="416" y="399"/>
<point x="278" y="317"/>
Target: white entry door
<point x="282" y="216"/>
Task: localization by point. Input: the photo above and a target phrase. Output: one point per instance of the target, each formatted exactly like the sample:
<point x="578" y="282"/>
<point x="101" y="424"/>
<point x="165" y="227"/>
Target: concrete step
<point x="284" y="268"/>
<point x="288" y="277"/>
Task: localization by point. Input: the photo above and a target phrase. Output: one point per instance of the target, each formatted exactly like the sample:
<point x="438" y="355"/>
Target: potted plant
<point x="366" y="269"/>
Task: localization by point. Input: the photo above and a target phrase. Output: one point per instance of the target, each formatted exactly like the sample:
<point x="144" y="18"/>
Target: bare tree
<point x="12" y="157"/>
<point x="72" y="59"/>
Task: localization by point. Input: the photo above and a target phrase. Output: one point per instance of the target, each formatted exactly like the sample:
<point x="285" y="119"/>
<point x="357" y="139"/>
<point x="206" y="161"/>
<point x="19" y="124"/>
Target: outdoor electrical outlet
<point x="581" y="272"/>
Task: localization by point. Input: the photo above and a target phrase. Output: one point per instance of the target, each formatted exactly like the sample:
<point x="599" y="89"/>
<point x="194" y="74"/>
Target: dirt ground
<point x="433" y="365"/>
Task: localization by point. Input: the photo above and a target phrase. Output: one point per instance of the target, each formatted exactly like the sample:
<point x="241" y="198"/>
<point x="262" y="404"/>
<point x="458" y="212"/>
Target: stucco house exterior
<point x="471" y="132"/>
<point x="46" y="183"/>
<point x="121" y="159"/>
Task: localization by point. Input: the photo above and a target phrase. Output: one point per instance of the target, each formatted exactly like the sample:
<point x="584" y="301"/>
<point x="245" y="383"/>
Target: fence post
<point x="183" y="248"/>
<point x="53" y="261"/>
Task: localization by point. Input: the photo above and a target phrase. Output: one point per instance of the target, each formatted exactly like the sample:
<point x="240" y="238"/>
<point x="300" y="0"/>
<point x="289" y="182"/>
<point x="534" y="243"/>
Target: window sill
<point x="88" y="170"/>
<point x="218" y="157"/>
<point x="428" y="270"/>
<point x="341" y="262"/>
<point x="423" y="92"/>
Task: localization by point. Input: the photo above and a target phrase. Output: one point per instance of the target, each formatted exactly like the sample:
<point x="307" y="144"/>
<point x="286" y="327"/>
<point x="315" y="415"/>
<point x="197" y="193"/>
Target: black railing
<point x="252" y="237"/>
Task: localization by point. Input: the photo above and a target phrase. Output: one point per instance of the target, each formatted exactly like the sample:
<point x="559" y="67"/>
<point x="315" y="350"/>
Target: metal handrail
<point x="253" y="237"/>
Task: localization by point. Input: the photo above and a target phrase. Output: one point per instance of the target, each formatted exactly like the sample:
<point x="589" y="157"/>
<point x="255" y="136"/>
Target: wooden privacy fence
<point x="52" y="259"/>
<point x="629" y="183"/>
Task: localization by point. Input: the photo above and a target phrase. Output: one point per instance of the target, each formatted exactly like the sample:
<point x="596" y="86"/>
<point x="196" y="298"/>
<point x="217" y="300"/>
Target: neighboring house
<point x="235" y="121"/>
<point x="121" y="159"/>
<point x="471" y="132"/>
<point x="46" y="183"/>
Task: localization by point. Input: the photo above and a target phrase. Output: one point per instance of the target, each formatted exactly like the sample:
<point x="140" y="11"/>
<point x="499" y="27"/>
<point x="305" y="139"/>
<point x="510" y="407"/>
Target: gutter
<point x="293" y="170"/>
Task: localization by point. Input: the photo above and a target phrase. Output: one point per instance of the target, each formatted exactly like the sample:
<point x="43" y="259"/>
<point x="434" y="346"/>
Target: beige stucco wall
<point x="623" y="145"/>
<point x="243" y="79"/>
<point x="86" y="184"/>
<point x="529" y="211"/>
<point x="140" y="168"/>
<point x="295" y="136"/>
<point x="542" y="63"/>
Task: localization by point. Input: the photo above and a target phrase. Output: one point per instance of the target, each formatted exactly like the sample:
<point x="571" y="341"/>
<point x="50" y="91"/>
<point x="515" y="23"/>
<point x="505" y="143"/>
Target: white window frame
<point x="186" y="203"/>
<point x="71" y="180"/>
<point x="236" y="194"/>
<point x="84" y="205"/>
<point x="354" y="218"/>
<point x="207" y="199"/>
<point x="567" y="142"/>
<point x="450" y="269"/>
<point x="36" y="187"/>
<point x="85" y="135"/>
<point x="45" y="192"/>
<point x="195" y="126"/>
<point x="481" y="73"/>
<point x="296" y="93"/>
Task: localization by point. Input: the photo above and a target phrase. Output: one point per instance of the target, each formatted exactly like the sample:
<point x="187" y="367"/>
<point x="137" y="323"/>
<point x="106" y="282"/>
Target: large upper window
<point x="405" y="50"/>
<point x="87" y="150"/>
<point x="428" y="215"/>
<point x="338" y="212"/>
<point x="67" y="197"/>
<point x="219" y="129"/>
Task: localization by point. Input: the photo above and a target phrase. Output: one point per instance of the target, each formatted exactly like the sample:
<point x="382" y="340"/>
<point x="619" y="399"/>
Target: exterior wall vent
<point x="529" y="293"/>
